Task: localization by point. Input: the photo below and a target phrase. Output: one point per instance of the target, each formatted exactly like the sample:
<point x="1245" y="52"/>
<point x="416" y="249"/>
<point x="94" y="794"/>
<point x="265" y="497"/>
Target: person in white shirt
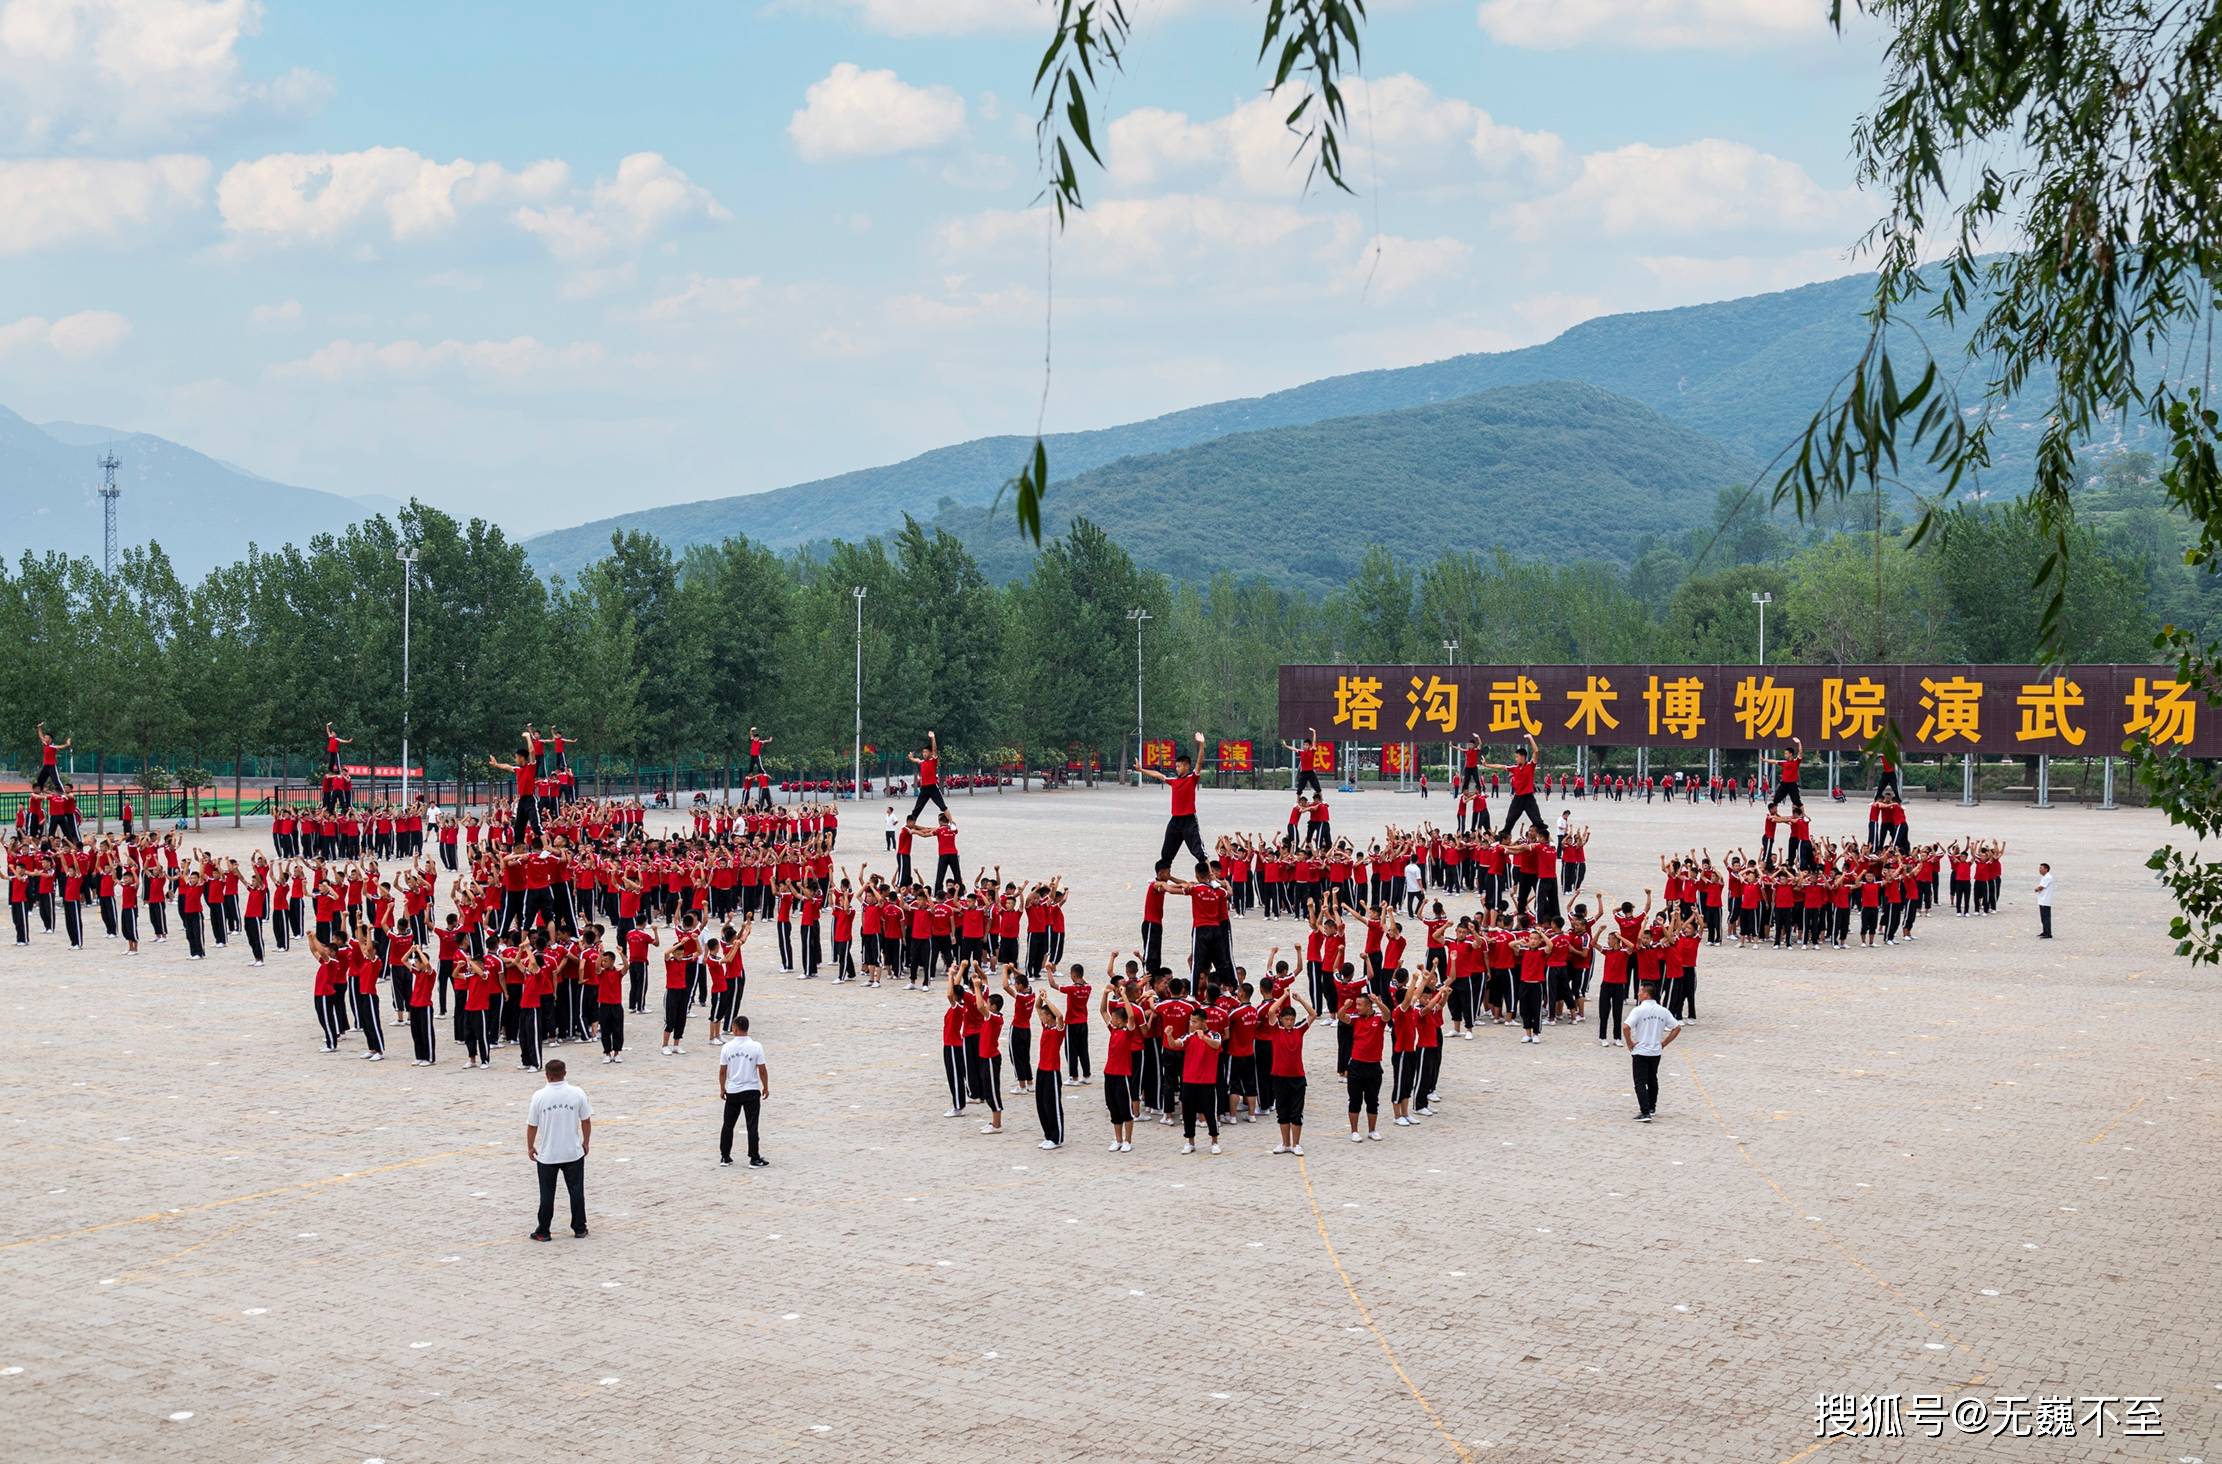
<point x="559" y="1129"/>
<point x="2044" y="902"/>
<point x="1649" y="1030"/>
<point x="894" y="826"/>
<point x="744" y="1082"/>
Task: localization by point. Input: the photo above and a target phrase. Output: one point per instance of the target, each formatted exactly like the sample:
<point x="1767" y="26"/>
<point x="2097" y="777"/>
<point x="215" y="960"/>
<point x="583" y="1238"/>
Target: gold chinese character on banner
<point x="1677" y="707"/>
<point x="2044" y="711"/>
<point x="2163" y="711"/>
<point x="1358" y="703"/>
<point x="1591" y="704"/>
<point x="1436" y="700"/>
<point x="1763" y="709"/>
<point x="1851" y="709"/>
<point x="1512" y="706"/>
<point x="1951" y="708"/>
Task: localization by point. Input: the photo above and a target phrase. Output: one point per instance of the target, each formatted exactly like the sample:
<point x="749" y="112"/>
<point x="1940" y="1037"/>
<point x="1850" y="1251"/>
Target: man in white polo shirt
<point x="2044" y="902"/>
<point x="744" y="1082"/>
<point x="1649" y="1030"/>
<point x="559" y="1129"/>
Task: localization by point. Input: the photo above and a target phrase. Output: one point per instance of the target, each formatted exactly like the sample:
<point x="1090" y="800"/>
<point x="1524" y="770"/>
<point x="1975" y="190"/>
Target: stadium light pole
<point x="856" y="787"/>
<point x="1762" y="598"/>
<point x="1450" y="765"/>
<point x="1141" y="617"/>
<point x="408" y="573"/>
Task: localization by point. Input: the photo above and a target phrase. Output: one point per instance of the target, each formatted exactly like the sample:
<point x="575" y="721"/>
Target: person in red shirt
<point x="1285" y="1031"/>
<point x="1079" y="1061"/>
<point x="982" y="1028"/>
<point x="1049" y="1091"/>
<point x="928" y="759"/>
<point x="1123" y="1040"/>
<point x="1786" y="778"/>
<point x="678" y="986"/>
<point x="756" y="745"/>
<point x="49" y="774"/>
<point x="1521" y="770"/>
<point x="1018" y="991"/>
<point x="526" y="818"/>
<point x="947" y="870"/>
<point x="1198" y="1046"/>
<point x="1181" y="826"/>
<point x="1368" y="1022"/>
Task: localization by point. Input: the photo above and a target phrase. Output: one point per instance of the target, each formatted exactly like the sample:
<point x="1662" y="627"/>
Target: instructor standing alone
<point x="2044" y="902"/>
<point x="559" y="1129"/>
<point x="744" y="1082"/>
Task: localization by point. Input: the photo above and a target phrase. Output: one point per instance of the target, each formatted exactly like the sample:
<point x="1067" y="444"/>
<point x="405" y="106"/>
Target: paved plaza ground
<point x="1973" y="1166"/>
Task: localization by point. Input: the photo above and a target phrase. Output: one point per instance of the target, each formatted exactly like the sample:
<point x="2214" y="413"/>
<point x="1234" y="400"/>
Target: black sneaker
<point x="727" y="1161"/>
<point x="579" y="1234"/>
<point x="538" y="1235"/>
<point x="759" y="1164"/>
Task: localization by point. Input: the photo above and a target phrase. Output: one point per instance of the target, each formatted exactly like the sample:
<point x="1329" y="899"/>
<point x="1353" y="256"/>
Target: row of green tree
<point x="651" y="657"/>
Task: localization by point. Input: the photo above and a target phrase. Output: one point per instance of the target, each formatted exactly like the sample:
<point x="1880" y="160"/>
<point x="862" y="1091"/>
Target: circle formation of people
<point x="560" y="909"/>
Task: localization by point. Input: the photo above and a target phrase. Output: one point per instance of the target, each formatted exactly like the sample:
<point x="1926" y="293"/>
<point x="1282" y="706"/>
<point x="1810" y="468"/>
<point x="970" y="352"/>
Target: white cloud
<point x="300" y="198"/>
<point x="587" y="284"/>
<point x="1652" y="24"/>
<point x="1181" y="236"/>
<point x="1687" y="279"/>
<point x="81" y="337"/>
<point x="102" y="72"/>
<point x="515" y="359"/>
<point x="854" y="113"/>
<point x="1402" y="136"/>
<point x="646" y="197"/>
<point x="1389" y="266"/>
<point x="46" y="202"/>
<point x="704" y="297"/>
<point x="1150" y="145"/>
<point x="280" y="316"/>
<point x="1709" y="187"/>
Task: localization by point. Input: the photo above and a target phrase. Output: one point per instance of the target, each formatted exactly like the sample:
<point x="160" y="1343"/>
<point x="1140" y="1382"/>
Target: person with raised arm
<point x="1306" y="775"/>
<point x="1181" y="826"/>
<point x="1521" y="774"/>
<point x="928" y="759"/>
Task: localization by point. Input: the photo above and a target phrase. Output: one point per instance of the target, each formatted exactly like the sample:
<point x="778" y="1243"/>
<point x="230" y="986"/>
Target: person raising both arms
<point x="333" y="742"/>
<point x="1306" y="777"/>
<point x="1470" y="780"/>
<point x="928" y="759"/>
<point x="1520" y="772"/>
<point x="1786" y="778"/>
<point x="756" y="774"/>
<point x="49" y="775"/>
<point x="527" y="816"/>
<point x="1181" y="826"/>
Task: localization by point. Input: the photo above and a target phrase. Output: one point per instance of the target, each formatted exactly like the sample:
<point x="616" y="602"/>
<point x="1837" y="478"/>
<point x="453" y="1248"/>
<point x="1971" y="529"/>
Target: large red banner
<point x="2089" y="710"/>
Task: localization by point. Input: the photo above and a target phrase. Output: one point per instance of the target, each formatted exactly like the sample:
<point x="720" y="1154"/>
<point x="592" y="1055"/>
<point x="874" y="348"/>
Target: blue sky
<point x="546" y="262"/>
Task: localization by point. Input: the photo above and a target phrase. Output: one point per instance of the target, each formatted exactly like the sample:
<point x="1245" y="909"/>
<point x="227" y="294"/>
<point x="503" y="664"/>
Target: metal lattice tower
<point x="109" y="493"/>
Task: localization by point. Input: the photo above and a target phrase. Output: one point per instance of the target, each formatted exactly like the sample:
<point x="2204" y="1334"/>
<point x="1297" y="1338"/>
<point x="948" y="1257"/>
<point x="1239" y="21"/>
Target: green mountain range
<point x="1556" y="470"/>
<point x="1747" y="373"/>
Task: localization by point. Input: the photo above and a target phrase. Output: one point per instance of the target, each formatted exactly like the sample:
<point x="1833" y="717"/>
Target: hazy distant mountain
<point x="202" y="511"/>
<point x="1747" y="373"/>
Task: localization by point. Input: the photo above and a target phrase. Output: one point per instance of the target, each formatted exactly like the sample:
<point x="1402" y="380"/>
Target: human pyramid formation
<point x="559" y="906"/>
